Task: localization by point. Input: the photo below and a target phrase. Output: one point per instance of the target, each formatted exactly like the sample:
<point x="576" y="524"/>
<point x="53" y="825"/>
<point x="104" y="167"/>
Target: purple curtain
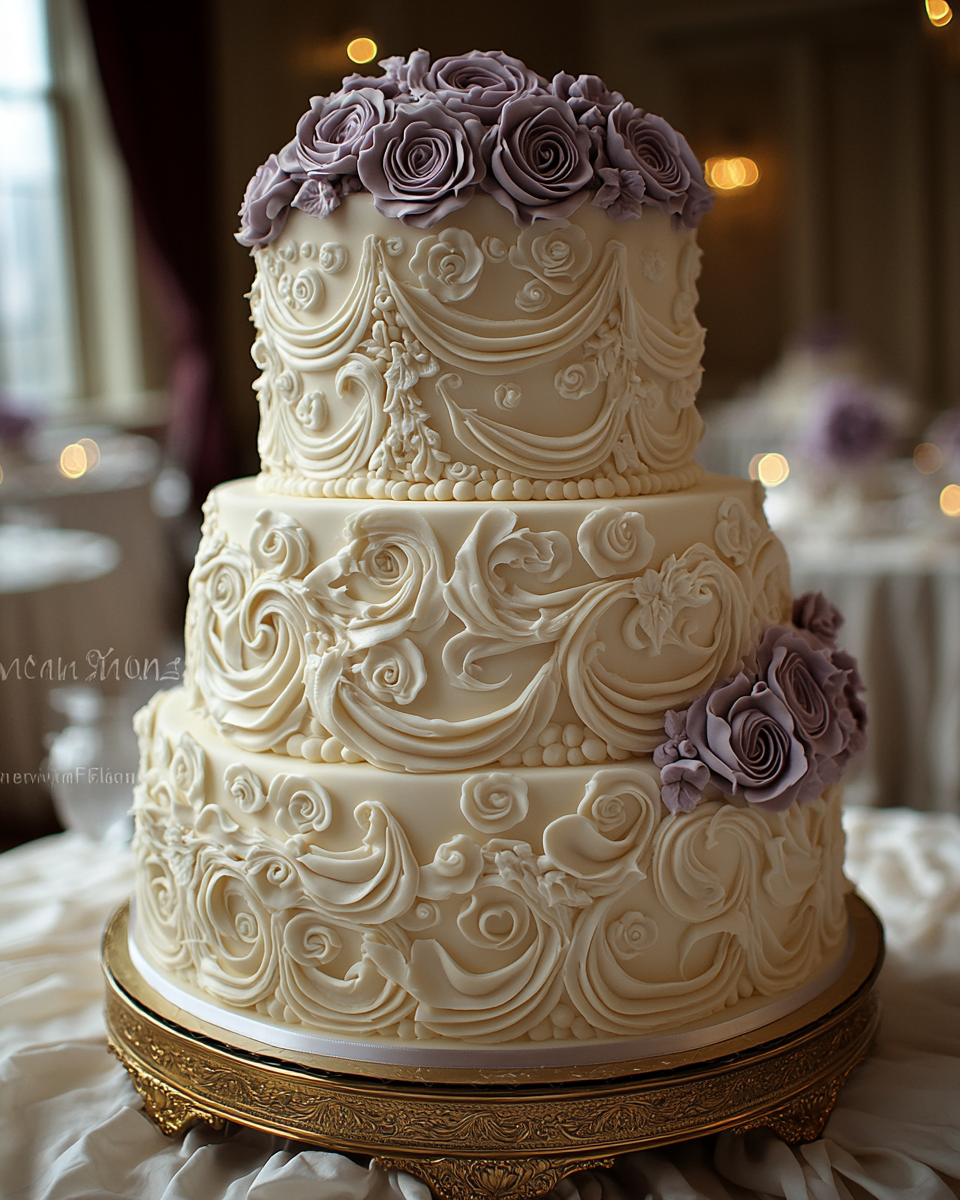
<point x="156" y="62"/>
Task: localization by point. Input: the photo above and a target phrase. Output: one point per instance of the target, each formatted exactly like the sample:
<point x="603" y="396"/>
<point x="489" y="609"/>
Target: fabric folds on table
<point x="71" y="1125"/>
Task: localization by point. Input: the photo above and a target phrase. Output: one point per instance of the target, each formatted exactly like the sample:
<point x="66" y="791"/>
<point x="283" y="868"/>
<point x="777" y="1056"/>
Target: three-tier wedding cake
<point x="502" y="739"/>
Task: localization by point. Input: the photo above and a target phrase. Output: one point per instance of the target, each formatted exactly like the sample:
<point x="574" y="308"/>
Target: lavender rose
<point x="539" y="159"/>
<point x="477" y="84"/>
<point x="641" y="142"/>
<point x="423" y="165"/>
<point x="746" y="735"/>
<point x="803" y="675"/>
<point x="336" y="128"/>
<point x="266" y="203"/>
<point x="588" y="96"/>
<point x="814" y="612"/>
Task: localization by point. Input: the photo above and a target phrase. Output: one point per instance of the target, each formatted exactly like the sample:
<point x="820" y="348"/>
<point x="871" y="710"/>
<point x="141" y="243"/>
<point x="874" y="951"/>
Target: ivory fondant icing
<point x="475" y="360"/>
<point x="529" y="905"/>
<point x="407" y="798"/>
<point x="443" y="636"/>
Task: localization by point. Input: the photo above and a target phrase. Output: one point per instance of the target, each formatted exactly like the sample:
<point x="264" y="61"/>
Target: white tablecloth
<point x="71" y="1126"/>
<point x="901" y="600"/>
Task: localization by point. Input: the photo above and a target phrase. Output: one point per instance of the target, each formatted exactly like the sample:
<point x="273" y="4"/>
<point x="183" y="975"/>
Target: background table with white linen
<point x="900" y="597"/>
<point x="71" y="1125"/>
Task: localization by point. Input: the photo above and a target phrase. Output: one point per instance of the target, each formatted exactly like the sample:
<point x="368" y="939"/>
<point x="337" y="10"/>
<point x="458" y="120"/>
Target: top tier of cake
<point x="456" y="296"/>
<point x="476" y="360"/>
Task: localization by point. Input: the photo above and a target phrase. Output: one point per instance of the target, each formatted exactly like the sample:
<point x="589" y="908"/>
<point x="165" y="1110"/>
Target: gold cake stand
<point x="498" y="1134"/>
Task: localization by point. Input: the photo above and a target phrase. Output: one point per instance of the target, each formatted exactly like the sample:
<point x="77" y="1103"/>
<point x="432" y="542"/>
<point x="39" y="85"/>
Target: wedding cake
<point x="502" y="740"/>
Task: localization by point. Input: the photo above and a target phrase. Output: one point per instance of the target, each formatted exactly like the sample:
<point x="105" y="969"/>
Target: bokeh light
<point x="362" y="50"/>
<point x="73" y="461"/>
<point x="950" y="500"/>
<point x="92" y="451"/>
<point x="939" y="12"/>
<point x="771" y="469"/>
<point x="728" y="174"/>
<point x="927" y="458"/>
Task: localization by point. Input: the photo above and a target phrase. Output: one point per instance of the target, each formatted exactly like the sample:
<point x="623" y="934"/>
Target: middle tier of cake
<point x="430" y="637"/>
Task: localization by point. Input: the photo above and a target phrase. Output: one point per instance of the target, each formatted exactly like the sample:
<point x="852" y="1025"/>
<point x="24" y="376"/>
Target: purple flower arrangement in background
<point x="779" y="733"/>
<point x="423" y="137"/>
<point x="850" y="427"/>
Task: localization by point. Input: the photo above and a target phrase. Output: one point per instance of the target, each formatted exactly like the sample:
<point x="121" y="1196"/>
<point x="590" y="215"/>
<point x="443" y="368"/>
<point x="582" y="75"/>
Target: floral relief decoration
<point x="491" y="940"/>
<point x="328" y="660"/>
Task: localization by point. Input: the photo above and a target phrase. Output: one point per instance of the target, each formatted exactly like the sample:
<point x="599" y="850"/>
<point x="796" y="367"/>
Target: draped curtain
<point x="156" y="62"/>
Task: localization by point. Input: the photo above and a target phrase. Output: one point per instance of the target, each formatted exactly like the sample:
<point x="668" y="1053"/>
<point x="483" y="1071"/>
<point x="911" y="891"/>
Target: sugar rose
<point x="423" y="165"/>
<point x="336" y="128"/>
<point x="477" y="84"/>
<point x="539" y="159"/>
<point x="745" y="734"/>
<point x="266" y="203"/>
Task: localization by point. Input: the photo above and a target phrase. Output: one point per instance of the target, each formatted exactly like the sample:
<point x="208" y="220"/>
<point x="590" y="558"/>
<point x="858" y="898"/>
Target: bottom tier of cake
<point x="540" y="915"/>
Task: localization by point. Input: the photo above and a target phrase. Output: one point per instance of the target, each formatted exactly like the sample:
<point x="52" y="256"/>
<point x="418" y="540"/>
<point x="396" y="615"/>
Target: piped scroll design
<point x="494" y="940"/>
<point x="390" y="335"/>
<point x="310" y="659"/>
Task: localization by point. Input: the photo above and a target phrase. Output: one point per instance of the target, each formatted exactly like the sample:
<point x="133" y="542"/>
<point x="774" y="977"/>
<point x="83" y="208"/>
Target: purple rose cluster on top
<point x="423" y="137"/>
<point x="781" y="733"/>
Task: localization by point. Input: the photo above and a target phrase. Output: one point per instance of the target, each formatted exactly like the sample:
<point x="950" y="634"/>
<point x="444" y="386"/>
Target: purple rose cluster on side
<point x="781" y="733"/>
<point x="423" y="137"/>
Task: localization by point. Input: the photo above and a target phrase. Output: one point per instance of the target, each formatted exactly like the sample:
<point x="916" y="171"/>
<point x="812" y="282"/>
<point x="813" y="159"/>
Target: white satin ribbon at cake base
<point x="578" y="1054"/>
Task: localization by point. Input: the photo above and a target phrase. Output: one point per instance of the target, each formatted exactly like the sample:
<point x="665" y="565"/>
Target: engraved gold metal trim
<point x="502" y="1134"/>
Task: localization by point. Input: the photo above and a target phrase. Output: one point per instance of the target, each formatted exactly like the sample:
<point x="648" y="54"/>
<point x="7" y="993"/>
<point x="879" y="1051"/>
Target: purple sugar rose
<point x="266" y="204"/>
<point x="682" y="775"/>
<point x="814" y="612"/>
<point x="590" y="100"/>
<point x="424" y="165"/>
<point x="620" y="193"/>
<point x="332" y="133"/>
<point x="642" y="142"/>
<point x="812" y="687"/>
<point x="539" y="159"/>
<point x="745" y="734"/>
<point x="477" y="84"/>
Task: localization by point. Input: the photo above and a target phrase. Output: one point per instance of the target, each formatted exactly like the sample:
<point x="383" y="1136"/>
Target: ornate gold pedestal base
<point x="483" y="1139"/>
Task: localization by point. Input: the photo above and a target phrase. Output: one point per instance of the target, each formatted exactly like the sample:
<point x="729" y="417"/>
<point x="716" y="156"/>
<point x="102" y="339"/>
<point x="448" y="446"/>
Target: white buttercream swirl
<point x="394" y="556"/>
<point x="393" y="672"/>
<point x="691" y="616"/>
<point x="615" y="542"/>
<point x="245" y="788"/>
<point x="279" y="544"/>
<point x="237" y="953"/>
<point x="299" y="804"/>
<point x="494" y="801"/>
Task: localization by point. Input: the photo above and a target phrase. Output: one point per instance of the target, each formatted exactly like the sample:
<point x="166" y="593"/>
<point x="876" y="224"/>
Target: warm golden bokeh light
<point x="362" y="50"/>
<point x="73" y="460"/>
<point x="939" y="12"/>
<point x="950" y="500"/>
<point x="1" y="474"/>
<point x="92" y="451"/>
<point x="770" y="469"/>
<point x="927" y="458"/>
<point x="728" y="174"/>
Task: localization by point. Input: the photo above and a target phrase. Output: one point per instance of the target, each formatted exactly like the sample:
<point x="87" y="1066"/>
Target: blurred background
<point x="830" y="292"/>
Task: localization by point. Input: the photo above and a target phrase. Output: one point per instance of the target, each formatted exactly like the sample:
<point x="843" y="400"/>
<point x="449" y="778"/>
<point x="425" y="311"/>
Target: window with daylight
<point x="70" y="302"/>
<point x="38" y="367"/>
